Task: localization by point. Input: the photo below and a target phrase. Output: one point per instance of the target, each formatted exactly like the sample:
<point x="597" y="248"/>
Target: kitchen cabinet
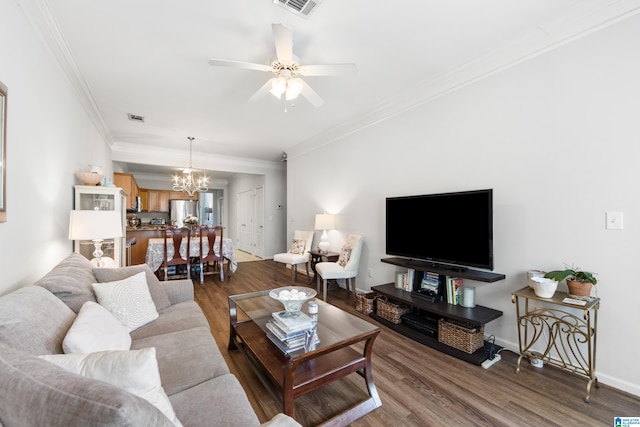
<point x="127" y="182"/>
<point x="181" y="195"/>
<point x="144" y="199"/>
<point x="158" y="200"/>
<point x="91" y="197"/>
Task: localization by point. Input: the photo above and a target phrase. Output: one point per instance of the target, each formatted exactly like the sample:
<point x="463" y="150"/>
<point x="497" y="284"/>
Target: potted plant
<point x="578" y="282"/>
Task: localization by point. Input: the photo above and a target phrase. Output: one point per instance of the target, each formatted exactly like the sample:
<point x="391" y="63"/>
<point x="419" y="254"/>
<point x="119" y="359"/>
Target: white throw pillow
<point x="297" y="247"/>
<point x="129" y="300"/>
<point x="96" y="329"/>
<point x="135" y="371"/>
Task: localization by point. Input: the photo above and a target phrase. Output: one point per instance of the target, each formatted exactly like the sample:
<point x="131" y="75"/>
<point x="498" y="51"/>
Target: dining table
<point x="155" y="251"/>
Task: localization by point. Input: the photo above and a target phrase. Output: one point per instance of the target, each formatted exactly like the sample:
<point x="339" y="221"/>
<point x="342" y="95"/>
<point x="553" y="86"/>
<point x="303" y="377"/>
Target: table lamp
<point x="324" y="222"/>
<point x="95" y="225"/>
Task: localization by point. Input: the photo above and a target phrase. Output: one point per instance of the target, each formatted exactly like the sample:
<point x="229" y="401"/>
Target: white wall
<point x="49" y="138"/>
<point x="556" y="137"/>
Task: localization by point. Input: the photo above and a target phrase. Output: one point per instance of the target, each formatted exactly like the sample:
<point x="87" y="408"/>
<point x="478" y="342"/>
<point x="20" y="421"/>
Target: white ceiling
<point x="149" y="57"/>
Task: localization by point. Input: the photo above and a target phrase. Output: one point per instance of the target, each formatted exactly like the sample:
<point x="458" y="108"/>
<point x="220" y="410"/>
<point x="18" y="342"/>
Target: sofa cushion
<point x="71" y="281"/>
<point x="158" y="293"/>
<point x="37" y="393"/>
<point x="133" y="371"/>
<point x="33" y="320"/>
<point x="185" y="358"/>
<point x="226" y="398"/>
<point x="129" y="300"/>
<point x="96" y="329"/>
<point x="178" y="317"/>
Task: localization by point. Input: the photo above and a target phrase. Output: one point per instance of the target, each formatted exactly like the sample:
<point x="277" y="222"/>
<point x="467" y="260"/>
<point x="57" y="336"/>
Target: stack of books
<point x="290" y="333"/>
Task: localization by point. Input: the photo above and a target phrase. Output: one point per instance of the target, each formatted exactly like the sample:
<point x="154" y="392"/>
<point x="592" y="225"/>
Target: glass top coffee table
<point x="301" y="371"/>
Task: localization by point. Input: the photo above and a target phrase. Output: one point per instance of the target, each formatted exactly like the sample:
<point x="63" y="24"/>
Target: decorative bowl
<point x="292" y="297"/>
<point x="89" y="178"/>
<point x="544" y="288"/>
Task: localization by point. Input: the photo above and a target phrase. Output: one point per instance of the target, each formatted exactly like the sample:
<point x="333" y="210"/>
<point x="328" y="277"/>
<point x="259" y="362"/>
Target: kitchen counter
<point x="146" y="228"/>
<point x="142" y="236"/>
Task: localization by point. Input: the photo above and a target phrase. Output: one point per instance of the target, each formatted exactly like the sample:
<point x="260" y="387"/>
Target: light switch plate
<point x="614" y="220"/>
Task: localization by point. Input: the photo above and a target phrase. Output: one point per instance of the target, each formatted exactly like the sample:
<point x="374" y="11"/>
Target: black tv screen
<point x="450" y="228"/>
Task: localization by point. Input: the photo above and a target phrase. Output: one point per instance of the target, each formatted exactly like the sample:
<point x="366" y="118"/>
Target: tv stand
<point x="429" y="265"/>
<point x="445" y="270"/>
<point x="478" y="315"/>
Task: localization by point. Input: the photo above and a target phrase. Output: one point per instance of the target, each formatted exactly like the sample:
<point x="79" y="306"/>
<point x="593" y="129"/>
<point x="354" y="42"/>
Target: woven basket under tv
<point x="390" y="310"/>
<point x="365" y="302"/>
<point x="466" y="337"/>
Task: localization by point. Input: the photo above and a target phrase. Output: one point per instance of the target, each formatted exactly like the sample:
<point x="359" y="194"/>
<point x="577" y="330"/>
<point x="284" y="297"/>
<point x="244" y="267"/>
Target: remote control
<point x="574" y="301"/>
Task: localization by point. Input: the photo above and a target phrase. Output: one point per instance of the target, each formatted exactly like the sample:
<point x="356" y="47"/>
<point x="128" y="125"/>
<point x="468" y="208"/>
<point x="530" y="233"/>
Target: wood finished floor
<point x="418" y="386"/>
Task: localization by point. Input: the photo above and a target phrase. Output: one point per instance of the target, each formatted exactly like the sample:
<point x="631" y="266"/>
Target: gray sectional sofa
<point x="33" y="392"/>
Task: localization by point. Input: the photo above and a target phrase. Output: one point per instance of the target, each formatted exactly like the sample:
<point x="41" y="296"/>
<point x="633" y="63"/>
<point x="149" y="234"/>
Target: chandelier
<point x="187" y="182"/>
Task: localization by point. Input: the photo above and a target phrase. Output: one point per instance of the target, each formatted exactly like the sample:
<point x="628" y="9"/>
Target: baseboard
<point x="610" y="381"/>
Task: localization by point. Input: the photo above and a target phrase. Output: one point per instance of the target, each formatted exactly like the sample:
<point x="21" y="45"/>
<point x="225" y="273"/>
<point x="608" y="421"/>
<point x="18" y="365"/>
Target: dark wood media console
<point x="478" y="315"/>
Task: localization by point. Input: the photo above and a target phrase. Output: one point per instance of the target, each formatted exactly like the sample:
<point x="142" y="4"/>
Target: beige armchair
<point x="298" y="254"/>
<point x="345" y="268"/>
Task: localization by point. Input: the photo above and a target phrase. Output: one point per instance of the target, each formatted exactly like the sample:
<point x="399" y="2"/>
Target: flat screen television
<point x="450" y="228"/>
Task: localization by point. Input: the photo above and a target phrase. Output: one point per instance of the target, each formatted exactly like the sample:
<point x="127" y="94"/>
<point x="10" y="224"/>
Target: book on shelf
<point x="280" y="333"/>
<point x="408" y="279"/>
<point x="289" y="324"/>
<point x="288" y="347"/>
<point x="454" y="290"/>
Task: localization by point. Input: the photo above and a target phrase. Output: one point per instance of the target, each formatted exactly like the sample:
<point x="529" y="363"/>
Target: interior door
<point x="258" y="216"/>
<point x="245" y="220"/>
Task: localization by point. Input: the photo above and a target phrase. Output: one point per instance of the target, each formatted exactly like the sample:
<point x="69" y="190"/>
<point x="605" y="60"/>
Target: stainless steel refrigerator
<point x="202" y="209"/>
<point x="179" y="209"/>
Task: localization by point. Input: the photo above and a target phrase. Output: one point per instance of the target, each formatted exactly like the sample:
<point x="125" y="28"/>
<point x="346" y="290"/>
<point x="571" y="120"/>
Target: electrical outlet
<point x="370" y="272"/>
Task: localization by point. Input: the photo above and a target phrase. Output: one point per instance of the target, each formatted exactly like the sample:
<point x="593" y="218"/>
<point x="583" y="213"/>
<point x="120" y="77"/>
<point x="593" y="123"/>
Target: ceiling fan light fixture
<point x="294" y="89"/>
<point x="278" y="86"/>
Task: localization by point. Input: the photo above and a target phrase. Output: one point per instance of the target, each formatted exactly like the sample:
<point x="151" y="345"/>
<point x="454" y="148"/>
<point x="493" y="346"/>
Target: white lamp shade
<point x="94" y="225"/>
<point x="325" y="222"/>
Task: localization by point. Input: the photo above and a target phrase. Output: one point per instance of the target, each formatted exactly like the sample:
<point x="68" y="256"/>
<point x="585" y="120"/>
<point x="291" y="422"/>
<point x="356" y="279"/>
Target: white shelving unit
<point x="88" y="197"/>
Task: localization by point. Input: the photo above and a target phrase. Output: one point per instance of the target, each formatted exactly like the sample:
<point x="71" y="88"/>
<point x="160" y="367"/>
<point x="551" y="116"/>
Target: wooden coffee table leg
<point x="287" y="389"/>
<point x="233" y="319"/>
<point x="368" y="372"/>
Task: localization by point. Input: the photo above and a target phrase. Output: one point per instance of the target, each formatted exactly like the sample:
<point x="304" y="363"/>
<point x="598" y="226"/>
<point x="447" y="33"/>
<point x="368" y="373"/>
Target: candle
<point x="468" y="296"/>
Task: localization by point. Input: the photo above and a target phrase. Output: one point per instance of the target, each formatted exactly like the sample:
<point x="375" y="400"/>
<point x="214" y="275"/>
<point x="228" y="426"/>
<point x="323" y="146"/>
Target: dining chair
<point x="175" y="235"/>
<point x="298" y="254"/>
<point x="346" y="267"/>
<point x="209" y="262"/>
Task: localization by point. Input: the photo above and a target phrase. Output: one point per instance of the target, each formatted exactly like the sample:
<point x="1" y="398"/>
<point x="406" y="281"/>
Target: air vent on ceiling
<point x="299" y="7"/>
<point x="136" y="118"/>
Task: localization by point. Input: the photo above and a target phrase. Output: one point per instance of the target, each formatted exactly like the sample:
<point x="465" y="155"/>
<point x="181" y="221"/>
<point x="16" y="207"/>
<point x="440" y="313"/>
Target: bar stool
<point x="130" y="243"/>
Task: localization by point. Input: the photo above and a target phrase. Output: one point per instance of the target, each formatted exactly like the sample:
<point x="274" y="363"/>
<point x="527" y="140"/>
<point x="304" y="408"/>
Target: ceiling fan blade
<point x="239" y="64"/>
<point x="262" y="91"/>
<point x="283" y="39"/>
<point x="327" y="70"/>
<point x="311" y="94"/>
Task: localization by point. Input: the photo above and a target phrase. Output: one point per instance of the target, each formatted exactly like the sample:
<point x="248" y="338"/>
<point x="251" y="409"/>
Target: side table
<point x="316" y="256"/>
<point x="563" y="337"/>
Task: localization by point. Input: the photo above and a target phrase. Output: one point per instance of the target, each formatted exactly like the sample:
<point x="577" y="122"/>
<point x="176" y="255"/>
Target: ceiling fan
<point x="286" y="84"/>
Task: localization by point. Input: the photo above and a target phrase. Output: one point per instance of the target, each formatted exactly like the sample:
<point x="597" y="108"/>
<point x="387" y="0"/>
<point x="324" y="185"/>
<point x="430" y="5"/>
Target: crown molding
<point x="41" y="19"/>
<point x="167" y="157"/>
<point x="586" y="18"/>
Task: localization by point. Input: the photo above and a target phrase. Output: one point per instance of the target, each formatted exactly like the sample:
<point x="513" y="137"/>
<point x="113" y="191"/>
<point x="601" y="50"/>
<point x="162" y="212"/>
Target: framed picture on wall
<point x="3" y="153"/>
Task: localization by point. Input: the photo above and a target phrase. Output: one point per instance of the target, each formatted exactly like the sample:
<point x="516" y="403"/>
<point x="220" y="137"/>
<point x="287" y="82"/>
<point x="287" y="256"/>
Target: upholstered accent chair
<point x="345" y="268"/>
<point x="298" y="254"/>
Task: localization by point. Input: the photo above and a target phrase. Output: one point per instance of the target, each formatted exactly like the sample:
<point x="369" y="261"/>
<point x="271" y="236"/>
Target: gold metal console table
<point x="562" y="337"/>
